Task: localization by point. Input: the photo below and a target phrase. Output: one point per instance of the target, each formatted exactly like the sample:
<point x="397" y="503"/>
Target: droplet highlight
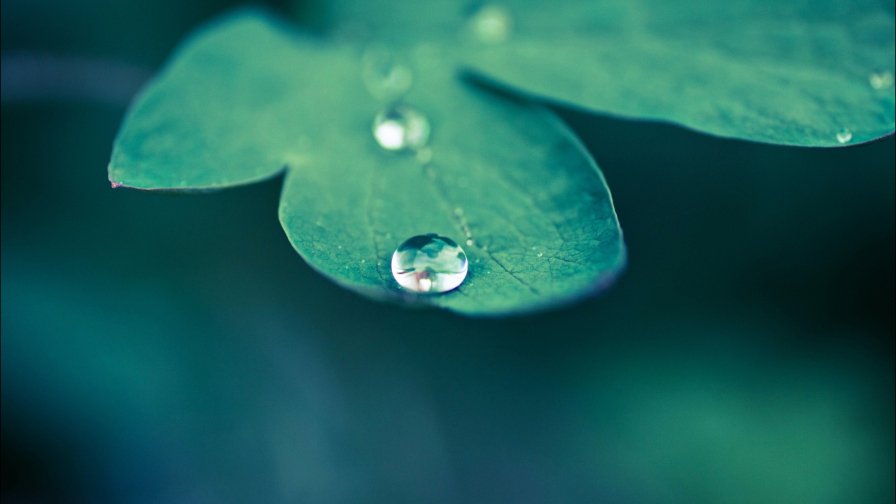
<point x="844" y="136"/>
<point x="429" y="264"/>
<point x="384" y="76"/>
<point x="490" y="24"/>
<point x="881" y="80"/>
<point x="401" y="128"/>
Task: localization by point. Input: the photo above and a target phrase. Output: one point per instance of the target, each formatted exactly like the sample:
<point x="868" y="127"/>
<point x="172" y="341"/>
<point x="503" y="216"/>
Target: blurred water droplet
<point x="401" y="128"/>
<point x="881" y="80"/>
<point x="540" y="254"/>
<point x="490" y="24"/>
<point x="429" y="264"/>
<point x="469" y="242"/>
<point x="385" y="77"/>
<point x="844" y="136"/>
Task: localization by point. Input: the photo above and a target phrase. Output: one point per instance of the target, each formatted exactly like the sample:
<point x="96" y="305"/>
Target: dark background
<point x="165" y="348"/>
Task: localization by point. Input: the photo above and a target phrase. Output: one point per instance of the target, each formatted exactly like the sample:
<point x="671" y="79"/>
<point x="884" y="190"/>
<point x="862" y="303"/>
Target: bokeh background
<point x="174" y="349"/>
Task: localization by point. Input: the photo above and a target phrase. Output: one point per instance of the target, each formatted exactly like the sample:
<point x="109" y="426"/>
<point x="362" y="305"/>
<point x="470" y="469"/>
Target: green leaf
<point x="246" y="98"/>
<point x="799" y="72"/>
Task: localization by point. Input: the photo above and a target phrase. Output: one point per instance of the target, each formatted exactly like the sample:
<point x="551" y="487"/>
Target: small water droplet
<point x="540" y="254"/>
<point x="881" y="80"/>
<point x="458" y="211"/>
<point x="844" y="136"/>
<point x="429" y="264"/>
<point x="401" y="128"/>
<point x="469" y="242"/>
<point x="490" y="24"/>
<point x="385" y="77"/>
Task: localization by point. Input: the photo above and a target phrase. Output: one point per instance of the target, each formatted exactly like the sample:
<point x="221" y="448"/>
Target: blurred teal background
<point x="165" y="348"/>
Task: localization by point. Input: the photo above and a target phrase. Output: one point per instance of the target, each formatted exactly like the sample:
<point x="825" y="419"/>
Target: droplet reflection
<point x="844" y="136"/>
<point x="401" y="128"/>
<point x="881" y="80"/>
<point x="490" y="24"/>
<point x="385" y="77"/>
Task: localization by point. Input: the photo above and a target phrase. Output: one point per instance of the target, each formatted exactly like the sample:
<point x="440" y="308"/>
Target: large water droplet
<point x="429" y="264"/>
<point x="844" y="136"/>
<point x="401" y="128"/>
<point x="881" y="80"/>
<point x="490" y="24"/>
<point x="385" y="77"/>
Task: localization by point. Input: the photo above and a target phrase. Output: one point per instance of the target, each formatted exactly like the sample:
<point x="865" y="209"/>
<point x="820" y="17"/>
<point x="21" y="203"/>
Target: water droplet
<point x="881" y="80"/>
<point x="458" y="211"/>
<point x="540" y="254"/>
<point x="385" y="77"/>
<point x="844" y="136"/>
<point x="401" y="128"/>
<point x="429" y="264"/>
<point x="490" y="24"/>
